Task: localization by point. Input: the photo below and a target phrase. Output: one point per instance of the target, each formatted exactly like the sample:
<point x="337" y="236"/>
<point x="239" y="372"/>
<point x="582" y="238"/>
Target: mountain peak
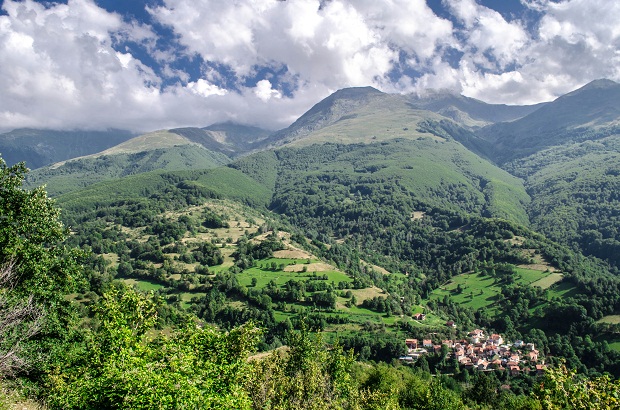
<point x="355" y="92"/>
<point x="596" y="93"/>
<point x="597" y="86"/>
<point x="589" y="112"/>
<point x="601" y="83"/>
<point x="329" y="110"/>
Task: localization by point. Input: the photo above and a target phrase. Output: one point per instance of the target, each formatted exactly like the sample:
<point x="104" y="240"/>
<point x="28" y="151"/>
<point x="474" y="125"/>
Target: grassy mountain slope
<point x="381" y="119"/>
<point x="161" y="139"/>
<point x="443" y="174"/>
<point x="356" y="115"/>
<point x="467" y="111"/>
<point x="168" y="189"/>
<point x="337" y="106"/>
<point x="39" y="148"/>
<point x="76" y="174"/>
<point x="589" y="113"/>
<point x="228" y="138"/>
<point x="568" y="154"/>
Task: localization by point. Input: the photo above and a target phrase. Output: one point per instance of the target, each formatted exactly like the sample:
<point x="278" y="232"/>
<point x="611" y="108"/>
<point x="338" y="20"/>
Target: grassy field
<point x="548" y="281"/>
<point x="530" y="276"/>
<point x="612" y="340"/>
<point x="143" y="285"/>
<point x="562" y="290"/>
<point x="479" y="291"/>
<point x="613" y="319"/>
<point x="264" y="273"/>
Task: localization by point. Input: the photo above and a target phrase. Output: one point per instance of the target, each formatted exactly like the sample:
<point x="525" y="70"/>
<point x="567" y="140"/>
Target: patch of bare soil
<point x="367" y="293"/>
<point x="415" y="215"/>
<point x="262" y="355"/>
<point x="292" y="253"/>
<point x="310" y="267"/>
<point x="539" y="266"/>
<point x="376" y="268"/>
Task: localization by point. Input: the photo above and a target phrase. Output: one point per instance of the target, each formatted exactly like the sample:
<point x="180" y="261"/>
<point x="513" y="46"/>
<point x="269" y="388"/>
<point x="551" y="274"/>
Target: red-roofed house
<point x="496" y="339"/>
<point x="476" y="335"/>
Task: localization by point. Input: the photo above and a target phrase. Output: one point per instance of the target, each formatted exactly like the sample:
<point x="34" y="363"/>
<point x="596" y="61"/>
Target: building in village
<point x="483" y="353"/>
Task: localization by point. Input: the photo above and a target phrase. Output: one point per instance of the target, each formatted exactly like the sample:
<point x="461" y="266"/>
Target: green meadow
<point x="479" y="290"/>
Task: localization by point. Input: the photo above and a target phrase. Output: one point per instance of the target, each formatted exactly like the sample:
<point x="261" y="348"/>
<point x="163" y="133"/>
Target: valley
<point x="368" y="211"/>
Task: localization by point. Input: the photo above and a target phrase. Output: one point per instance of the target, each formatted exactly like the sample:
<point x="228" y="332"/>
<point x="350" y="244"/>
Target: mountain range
<point x="435" y="202"/>
<point x="506" y="161"/>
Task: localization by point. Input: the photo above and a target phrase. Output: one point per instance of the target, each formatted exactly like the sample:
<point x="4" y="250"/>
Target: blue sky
<point x="145" y="65"/>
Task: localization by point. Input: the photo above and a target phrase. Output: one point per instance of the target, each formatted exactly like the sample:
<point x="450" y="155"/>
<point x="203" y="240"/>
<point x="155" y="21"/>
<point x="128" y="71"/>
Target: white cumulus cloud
<point x="61" y="65"/>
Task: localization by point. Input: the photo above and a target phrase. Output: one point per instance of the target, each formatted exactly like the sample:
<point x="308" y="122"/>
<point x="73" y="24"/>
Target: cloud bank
<point x="77" y="65"/>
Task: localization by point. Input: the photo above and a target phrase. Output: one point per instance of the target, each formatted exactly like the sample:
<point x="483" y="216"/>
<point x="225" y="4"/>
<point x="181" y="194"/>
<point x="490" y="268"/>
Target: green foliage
<point x="30" y="232"/>
<point x="561" y="388"/>
<point x="162" y="190"/>
<point x="123" y="367"/>
<point x="409" y="389"/>
<point x="306" y="375"/>
<point x="41" y="270"/>
<point x="262" y="167"/>
<point x="573" y="201"/>
<point x="442" y="174"/>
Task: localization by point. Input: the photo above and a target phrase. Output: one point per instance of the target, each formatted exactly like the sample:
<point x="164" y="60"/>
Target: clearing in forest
<point x="548" y="281"/>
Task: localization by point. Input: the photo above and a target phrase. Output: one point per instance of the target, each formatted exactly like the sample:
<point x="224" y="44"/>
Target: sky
<point x="153" y="64"/>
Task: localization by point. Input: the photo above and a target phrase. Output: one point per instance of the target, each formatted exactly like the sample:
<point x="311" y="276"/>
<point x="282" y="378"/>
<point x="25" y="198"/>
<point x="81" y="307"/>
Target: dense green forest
<point x="574" y="190"/>
<point x="291" y="277"/>
<point x="107" y="351"/>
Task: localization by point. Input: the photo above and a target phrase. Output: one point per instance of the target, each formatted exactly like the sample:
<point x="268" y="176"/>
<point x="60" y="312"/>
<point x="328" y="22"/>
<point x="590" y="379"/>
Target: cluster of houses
<point x="482" y="353"/>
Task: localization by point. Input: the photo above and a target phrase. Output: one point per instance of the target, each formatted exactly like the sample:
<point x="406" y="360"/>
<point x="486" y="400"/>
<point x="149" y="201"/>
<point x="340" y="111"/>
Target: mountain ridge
<point x="589" y="112"/>
<point x="40" y="147"/>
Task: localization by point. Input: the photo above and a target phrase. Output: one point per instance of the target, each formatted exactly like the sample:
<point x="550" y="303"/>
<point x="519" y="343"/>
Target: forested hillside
<point x="574" y="190"/>
<point x="79" y="173"/>
<point x="291" y="277"/>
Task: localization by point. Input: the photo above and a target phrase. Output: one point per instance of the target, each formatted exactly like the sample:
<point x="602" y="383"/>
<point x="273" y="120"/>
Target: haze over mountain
<point x="44" y="147"/>
<point x="588" y="113"/>
<point x="228" y="138"/>
<point x="467" y="111"/>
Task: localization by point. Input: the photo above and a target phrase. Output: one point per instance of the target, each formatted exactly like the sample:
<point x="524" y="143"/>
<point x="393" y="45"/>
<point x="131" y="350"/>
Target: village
<point x="481" y="352"/>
